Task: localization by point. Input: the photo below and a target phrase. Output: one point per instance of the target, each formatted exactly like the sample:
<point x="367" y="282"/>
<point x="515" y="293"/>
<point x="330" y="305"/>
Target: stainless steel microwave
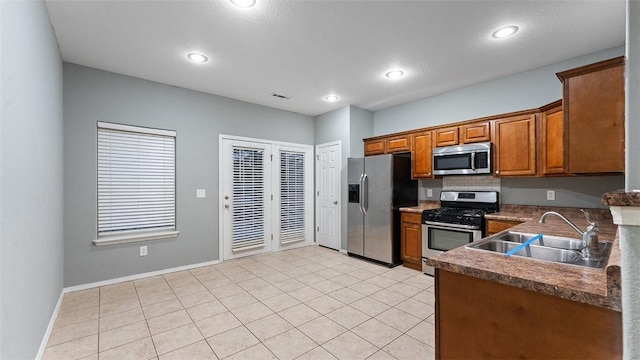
<point x="467" y="159"/>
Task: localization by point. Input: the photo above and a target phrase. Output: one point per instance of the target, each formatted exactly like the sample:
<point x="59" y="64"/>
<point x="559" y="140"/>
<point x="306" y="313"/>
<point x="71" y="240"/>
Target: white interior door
<point x="246" y="197"/>
<point x="328" y="195"/>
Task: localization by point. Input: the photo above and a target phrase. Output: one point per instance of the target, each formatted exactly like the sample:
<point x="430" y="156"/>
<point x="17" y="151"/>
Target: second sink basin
<point x="546" y="240"/>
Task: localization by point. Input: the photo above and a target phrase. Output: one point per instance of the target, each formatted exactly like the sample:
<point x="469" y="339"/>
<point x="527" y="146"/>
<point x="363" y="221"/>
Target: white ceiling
<point x="308" y="49"/>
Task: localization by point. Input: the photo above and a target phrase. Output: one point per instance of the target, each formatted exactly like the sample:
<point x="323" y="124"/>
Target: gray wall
<point x="360" y="127"/>
<point x="31" y="198"/>
<point x="92" y="95"/>
<point x="583" y="191"/>
<point x="526" y="90"/>
<point x="334" y="126"/>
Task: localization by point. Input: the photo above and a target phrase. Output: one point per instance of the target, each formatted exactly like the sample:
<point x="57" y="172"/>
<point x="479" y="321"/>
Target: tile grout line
<point x="145" y="319"/>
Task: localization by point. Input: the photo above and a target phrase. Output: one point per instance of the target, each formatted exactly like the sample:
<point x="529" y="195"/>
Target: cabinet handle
<point x="429" y="174"/>
<point x="497" y="172"/>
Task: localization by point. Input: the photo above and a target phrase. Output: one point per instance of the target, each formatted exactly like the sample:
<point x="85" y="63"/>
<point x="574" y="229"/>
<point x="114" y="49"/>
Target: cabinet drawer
<point x="411" y="217"/>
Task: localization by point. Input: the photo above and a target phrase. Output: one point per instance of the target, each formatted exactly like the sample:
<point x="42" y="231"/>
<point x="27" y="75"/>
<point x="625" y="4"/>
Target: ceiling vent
<point x="280" y="96"/>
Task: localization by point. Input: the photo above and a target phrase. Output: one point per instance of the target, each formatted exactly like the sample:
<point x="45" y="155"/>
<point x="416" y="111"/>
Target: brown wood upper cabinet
<point x="552" y="140"/>
<point x="594" y="117"/>
<point x="463" y="134"/>
<point x="400" y="143"/>
<point x="421" y="155"/>
<point x="387" y="145"/>
<point x="374" y="147"/>
<point x="446" y="136"/>
<point x="476" y="132"/>
<point x="514" y="141"/>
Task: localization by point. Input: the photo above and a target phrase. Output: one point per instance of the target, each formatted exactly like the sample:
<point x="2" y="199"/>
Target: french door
<point x="266" y="196"/>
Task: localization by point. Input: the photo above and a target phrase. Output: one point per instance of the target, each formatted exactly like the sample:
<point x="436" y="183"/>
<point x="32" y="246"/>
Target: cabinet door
<point x="411" y="239"/>
<point x="399" y="143"/>
<point x="421" y="155"/>
<point x="446" y="136"/>
<point x="552" y="142"/>
<point x="594" y="112"/>
<point x="472" y="133"/>
<point x="374" y="147"/>
<point x="515" y="146"/>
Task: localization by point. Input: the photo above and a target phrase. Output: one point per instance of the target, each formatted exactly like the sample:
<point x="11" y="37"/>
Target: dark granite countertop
<point x="599" y="287"/>
<point x="621" y="198"/>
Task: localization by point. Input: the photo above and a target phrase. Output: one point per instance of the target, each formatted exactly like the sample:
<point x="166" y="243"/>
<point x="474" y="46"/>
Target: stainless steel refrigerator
<point x="378" y="187"/>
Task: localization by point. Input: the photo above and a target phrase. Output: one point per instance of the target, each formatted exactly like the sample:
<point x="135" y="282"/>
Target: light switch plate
<point x="429" y="192"/>
<point x="143" y="251"/>
<point x="201" y="193"/>
<point x="551" y="195"/>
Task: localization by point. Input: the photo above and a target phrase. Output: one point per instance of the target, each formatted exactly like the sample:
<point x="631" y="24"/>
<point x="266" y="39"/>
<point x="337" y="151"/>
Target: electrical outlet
<point x="201" y="193"/>
<point x="551" y="195"/>
<point x="143" y="251"/>
<point x="429" y="192"/>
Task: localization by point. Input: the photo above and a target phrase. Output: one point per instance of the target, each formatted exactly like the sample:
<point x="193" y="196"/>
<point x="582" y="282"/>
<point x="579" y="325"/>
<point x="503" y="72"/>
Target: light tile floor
<point x="306" y="303"/>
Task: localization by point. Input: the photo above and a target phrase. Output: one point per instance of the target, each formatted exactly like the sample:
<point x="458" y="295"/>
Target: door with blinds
<point x="293" y="194"/>
<point x="246" y="191"/>
<point x="266" y="196"/>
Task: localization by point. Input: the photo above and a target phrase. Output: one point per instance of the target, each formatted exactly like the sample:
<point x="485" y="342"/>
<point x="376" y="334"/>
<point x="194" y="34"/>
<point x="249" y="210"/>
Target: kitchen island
<point x="492" y="306"/>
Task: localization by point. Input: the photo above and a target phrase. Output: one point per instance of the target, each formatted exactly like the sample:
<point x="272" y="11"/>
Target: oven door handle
<point x="449" y="226"/>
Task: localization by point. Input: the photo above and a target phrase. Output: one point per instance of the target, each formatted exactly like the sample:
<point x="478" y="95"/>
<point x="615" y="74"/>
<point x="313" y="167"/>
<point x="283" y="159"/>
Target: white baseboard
<point x="45" y="339"/>
<point x="137" y="276"/>
<point x="343" y="251"/>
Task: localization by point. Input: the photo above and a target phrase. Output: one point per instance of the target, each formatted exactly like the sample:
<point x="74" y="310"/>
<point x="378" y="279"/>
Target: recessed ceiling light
<point x="332" y="98"/>
<point x="197" y="57"/>
<point x="243" y="3"/>
<point x="505" y="32"/>
<point x="394" y="74"/>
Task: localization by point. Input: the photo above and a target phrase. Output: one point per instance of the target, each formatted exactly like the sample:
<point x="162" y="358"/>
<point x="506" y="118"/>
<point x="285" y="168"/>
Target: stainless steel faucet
<point x="590" y="247"/>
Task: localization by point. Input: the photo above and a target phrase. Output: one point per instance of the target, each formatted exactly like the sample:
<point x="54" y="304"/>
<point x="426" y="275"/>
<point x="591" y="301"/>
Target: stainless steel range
<point x="459" y="221"/>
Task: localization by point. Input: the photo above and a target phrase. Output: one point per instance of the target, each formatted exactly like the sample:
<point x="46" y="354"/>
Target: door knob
<point x="335" y="202"/>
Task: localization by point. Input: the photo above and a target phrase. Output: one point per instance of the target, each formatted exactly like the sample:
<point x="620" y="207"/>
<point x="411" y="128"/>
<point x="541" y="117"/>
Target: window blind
<point x="136" y="180"/>
<point x="248" y="199"/>
<point x="292" y="206"/>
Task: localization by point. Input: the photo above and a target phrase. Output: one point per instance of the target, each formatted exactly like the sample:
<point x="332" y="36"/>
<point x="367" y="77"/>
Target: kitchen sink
<point x="545" y="240"/>
<point x="548" y="247"/>
<point x="533" y="251"/>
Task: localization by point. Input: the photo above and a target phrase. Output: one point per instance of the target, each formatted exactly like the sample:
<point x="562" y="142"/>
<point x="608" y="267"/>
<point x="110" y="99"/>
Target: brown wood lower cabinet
<point x="480" y="319"/>
<point x="495" y="226"/>
<point x="411" y="239"/>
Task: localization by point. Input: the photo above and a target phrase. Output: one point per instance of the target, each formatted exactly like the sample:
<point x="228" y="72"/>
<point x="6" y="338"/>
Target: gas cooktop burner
<point x="459" y="211"/>
<point x="463" y="208"/>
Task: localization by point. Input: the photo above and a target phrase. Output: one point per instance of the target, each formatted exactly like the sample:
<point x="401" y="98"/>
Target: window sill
<point x="123" y="239"/>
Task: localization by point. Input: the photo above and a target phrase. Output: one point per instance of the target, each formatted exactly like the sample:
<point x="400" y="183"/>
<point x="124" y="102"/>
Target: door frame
<point x="310" y="216"/>
<point x="339" y="194"/>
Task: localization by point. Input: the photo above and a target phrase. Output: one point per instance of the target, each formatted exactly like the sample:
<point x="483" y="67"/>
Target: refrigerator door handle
<point x="365" y="193"/>
<point x="361" y="194"/>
